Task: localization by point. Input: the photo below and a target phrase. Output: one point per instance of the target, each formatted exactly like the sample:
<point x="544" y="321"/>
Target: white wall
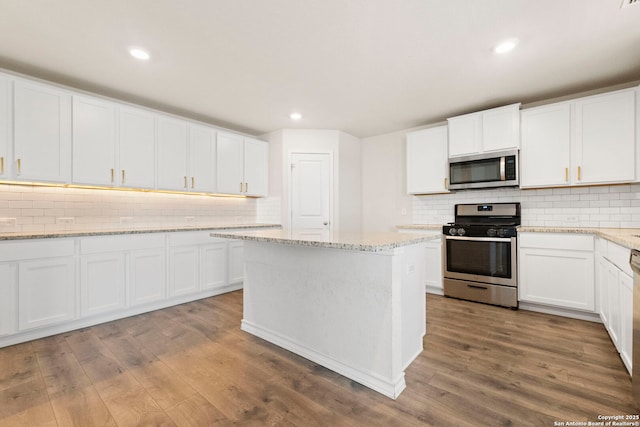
<point x="350" y="191"/>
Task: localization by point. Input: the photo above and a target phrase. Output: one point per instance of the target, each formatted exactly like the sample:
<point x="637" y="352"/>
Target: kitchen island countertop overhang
<point x="351" y="302"/>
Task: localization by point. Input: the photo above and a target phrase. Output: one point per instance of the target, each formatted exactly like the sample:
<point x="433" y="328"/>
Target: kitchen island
<point x="351" y="302"/>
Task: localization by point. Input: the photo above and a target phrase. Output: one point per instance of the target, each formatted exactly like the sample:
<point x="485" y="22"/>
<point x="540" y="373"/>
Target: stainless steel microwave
<point x="487" y="170"/>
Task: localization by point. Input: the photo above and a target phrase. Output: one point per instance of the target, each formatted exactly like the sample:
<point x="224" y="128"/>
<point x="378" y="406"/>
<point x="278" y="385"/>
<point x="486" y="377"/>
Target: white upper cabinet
<point x="172" y="154"/>
<point x="137" y="148"/>
<point x="604" y="143"/>
<point x="94" y="141"/>
<point x="5" y="126"/>
<point x="256" y="171"/>
<point x="485" y="131"/>
<point x="242" y="165"/>
<point x="582" y="142"/>
<point x="545" y="155"/>
<point x="42" y="132"/>
<point x="427" y="161"/>
<point x="202" y="159"/>
<point x="186" y="154"/>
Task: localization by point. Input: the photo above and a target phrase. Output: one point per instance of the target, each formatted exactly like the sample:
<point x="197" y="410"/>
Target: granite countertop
<point x="130" y="230"/>
<point x="365" y="242"/>
<point x="420" y="227"/>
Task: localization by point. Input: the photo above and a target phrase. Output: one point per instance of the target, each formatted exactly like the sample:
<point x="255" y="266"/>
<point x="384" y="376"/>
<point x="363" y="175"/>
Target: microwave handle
<point x="502" y="168"/>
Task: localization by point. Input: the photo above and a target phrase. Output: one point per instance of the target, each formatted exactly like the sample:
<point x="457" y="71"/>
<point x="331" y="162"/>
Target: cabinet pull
<point x="579" y="173"/>
<point x="185" y="181"/>
<point x="1" y="165"/>
<point x="566" y="174"/>
<point x="193" y="182"/>
<point x="19" y="166"/>
<point x="246" y="187"/>
<point x="112" y="175"/>
<point x="241" y="187"/>
<point x="123" y="176"/>
<point x="445" y="183"/>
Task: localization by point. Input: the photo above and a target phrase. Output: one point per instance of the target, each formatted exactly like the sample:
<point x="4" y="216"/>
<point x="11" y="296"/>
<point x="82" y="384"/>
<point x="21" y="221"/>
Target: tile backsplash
<point x="615" y="206"/>
<point x="42" y="209"/>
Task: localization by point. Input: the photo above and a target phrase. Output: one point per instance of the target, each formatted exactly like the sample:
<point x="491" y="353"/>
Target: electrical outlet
<point x="126" y="219"/>
<point x="411" y="268"/>
<point x="66" y="220"/>
<point x="189" y="219"/>
<point x="7" y="222"/>
<point x="571" y="218"/>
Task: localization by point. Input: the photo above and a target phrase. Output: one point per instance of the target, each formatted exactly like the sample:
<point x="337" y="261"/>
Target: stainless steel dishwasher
<point x="635" y="375"/>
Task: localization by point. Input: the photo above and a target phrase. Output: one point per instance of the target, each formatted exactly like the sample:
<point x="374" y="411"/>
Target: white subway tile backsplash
<point x="613" y="206"/>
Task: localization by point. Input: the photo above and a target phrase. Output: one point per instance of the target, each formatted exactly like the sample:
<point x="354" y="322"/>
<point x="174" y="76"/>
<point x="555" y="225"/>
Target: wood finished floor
<point x="191" y="365"/>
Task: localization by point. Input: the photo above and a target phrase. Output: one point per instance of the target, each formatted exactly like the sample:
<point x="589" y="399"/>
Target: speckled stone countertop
<point x="628" y="237"/>
<point x="364" y="242"/>
<point x="136" y="230"/>
<point x="420" y="227"/>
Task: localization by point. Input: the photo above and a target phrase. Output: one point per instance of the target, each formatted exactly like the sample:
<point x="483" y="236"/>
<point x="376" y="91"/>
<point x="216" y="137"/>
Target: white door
<point x="310" y="194"/>
<point x="102" y="284"/>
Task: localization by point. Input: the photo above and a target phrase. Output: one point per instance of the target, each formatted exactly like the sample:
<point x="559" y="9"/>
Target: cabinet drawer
<point x="129" y="242"/>
<point x="34" y="249"/>
<point x="574" y="242"/>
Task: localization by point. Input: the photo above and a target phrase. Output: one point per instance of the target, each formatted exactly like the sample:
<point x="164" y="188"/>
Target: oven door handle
<point x="503" y="175"/>
<point x="479" y="239"/>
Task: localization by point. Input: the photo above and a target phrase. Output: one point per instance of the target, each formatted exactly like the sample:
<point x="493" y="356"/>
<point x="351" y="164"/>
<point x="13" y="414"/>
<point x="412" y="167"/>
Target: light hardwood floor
<point x="192" y="365"/>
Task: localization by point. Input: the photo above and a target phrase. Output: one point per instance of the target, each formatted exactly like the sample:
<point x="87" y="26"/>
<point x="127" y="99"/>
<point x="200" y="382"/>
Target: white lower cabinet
<point x="183" y="270"/>
<point x="8" y="301"/>
<point x="236" y="262"/>
<point x="46" y="292"/>
<point x="147" y="276"/>
<point x="102" y="283"/>
<point x="213" y="265"/>
<point x="557" y="270"/>
<point x="615" y="282"/>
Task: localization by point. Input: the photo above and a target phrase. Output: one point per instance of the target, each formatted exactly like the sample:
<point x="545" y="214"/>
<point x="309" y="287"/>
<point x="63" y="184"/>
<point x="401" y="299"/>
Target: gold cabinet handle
<point x="566" y="174"/>
<point x="185" y="181"/>
<point x="193" y="182"/>
<point x="123" y="176"/>
<point x="1" y="165"/>
<point x="19" y="166"/>
<point x="445" y="183"/>
<point x="246" y="187"/>
<point x="579" y="177"/>
<point x="241" y="187"/>
<point x="112" y="175"/>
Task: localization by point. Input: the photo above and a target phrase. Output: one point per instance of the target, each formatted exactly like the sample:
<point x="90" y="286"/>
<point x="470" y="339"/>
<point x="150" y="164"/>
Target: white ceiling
<point x="366" y="67"/>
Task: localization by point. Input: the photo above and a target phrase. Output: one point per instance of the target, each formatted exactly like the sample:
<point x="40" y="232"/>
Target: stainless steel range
<point x="479" y="253"/>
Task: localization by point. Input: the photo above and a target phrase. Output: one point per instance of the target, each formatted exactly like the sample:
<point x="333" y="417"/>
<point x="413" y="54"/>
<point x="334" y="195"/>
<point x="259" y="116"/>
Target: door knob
<point x="325" y="223"/>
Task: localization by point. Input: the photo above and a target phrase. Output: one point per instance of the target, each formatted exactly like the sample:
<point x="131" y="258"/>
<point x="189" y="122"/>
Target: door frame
<point x="332" y="217"/>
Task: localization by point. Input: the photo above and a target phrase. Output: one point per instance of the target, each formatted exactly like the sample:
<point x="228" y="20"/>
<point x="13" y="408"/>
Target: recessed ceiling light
<point x="505" y="46"/>
<point x="295" y="116"/>
<point x="138" y="53"/>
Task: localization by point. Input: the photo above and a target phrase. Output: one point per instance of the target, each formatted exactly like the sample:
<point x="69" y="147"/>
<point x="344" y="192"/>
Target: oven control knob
<point x="502" y="232"/>
<point x="461" y="232"/>
<point x="453" y="231"/>
<point x="491" y="232"/>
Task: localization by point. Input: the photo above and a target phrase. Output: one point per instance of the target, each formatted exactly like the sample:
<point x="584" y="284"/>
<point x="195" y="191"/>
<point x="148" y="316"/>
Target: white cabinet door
<point x="147" y="275"/>
<point x="427" y="161"/>
<point x="602" y="271"/>
<point x="605" y="144"/>
<point x="213" y="265"/>
<point x="236" y="262"/>
<point x="626" y="320"/>
<point x="613" y="297"/>
<point x="256" y="172"/>
<point x="42" y="133"/>
<point x="183" y="270"/>
<point x="8" y="301"/>
<point x="465" y="134"/>
<point x="94" y="141"/>
<point x="501" y="128"/>
<point x="46" y="292"/>
<point x="557" y="269"/>
<point x="5" y="127"/>
<point x="202" y="154"/>
<point x="230" y="163"/>
<point x="137" y="148"/>
<point x="172" y="154"/>
<point x="102" y="283"/>
<point x="434" y="267"/>
<point x="545" y="159"/>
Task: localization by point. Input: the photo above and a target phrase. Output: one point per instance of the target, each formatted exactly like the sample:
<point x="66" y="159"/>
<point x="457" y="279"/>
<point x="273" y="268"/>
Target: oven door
<point x="480" y="259"/>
